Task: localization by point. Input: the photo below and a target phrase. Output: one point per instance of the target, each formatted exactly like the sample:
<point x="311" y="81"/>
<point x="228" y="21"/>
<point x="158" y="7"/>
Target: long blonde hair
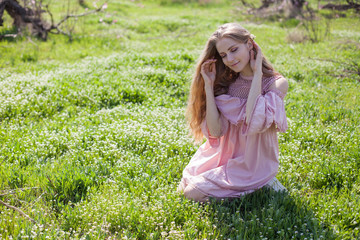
<point x="196" y="108"/>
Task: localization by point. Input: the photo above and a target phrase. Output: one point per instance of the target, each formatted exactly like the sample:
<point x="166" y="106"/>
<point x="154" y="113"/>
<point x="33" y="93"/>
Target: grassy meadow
<point x="93" y="138"/>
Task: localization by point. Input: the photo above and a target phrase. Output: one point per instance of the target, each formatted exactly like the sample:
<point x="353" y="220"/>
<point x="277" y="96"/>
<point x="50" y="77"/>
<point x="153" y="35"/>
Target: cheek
<point x="225" y="61"/>
<point x="244" y="57"/>
<point x="247" y="58"/>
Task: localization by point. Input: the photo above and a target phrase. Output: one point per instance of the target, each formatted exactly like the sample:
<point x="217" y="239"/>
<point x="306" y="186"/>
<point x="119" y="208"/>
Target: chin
<point x="237" y="69"/>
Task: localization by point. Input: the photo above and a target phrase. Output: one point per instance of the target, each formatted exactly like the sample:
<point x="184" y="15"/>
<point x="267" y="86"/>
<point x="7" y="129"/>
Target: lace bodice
<point x="241" y="87"/>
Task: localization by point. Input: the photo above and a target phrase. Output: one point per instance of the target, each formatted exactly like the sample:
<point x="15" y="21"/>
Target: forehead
<point x="224" y="44"/>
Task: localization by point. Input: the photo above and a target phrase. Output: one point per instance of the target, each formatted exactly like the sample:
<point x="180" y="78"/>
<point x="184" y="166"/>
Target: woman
<point x="236" y="101"/>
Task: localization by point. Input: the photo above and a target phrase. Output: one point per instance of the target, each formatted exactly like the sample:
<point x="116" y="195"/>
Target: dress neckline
<point x="241" y="80"/>
<point x="246" y="78"/>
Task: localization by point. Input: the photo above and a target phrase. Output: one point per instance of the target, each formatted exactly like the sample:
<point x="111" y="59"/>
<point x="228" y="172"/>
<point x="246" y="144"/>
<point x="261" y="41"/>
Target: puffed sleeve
<point x="269" y="109"/>
<point x="215" y="141"/>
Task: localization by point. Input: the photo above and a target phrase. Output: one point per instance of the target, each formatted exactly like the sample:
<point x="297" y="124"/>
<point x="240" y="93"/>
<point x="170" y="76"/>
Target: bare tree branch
<point x="18" y="210"/>
<point x="78" y="15"/>
<point x="57" y="26"/>
<point x="50" y="14"/>
<point x="32" y="204"/>
<point x="332" y="60"/>
<point x="352" y="67"/>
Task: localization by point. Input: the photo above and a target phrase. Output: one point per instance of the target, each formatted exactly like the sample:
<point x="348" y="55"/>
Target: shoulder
<point x="280" y="84"/>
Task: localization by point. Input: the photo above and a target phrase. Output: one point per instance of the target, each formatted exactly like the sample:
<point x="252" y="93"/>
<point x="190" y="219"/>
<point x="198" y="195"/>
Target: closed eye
<point x="231" y="50"/>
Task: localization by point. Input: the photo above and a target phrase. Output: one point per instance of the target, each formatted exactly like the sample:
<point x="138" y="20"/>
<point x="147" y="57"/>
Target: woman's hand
<point x="256" y="61"/>
<point x="208" y="72"/>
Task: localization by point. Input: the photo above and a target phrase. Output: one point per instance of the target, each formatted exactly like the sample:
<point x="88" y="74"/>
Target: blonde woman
<point x="236" y="102"/>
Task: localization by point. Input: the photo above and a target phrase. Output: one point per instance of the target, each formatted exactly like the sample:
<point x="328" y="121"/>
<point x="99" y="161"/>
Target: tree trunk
<point x="30" y="18"/>
<point x="290" y="8"/>
<point x="343" y="7"/>
<point x="24" y="18"/>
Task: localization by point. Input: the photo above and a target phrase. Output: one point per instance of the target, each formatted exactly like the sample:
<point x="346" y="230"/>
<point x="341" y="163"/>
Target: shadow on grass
<point x="266" y="214"/>
<point x="9" y="34"/>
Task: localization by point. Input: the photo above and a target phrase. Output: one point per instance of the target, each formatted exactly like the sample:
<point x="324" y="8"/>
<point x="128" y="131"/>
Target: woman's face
<point x="234" y="54"/>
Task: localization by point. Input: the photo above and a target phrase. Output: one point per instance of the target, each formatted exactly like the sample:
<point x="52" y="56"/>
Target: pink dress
<point x="245" y="157"/>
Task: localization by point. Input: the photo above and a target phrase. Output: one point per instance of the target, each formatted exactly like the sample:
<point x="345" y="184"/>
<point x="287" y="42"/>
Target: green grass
<point x="93" y="138"/>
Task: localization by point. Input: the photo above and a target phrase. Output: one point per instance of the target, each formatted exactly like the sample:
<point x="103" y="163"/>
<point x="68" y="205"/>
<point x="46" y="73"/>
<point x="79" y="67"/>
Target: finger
<point x="212" y="67"/>
<point x="203" y="69"/>
<point x="256" y="46"/>
<point x="252" y="55"/>
<point x="210" y="60"/>
<point x="206" y="63"/>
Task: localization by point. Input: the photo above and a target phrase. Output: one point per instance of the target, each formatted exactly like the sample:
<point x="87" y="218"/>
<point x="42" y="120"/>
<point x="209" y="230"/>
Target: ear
<point x="250" y="44"/>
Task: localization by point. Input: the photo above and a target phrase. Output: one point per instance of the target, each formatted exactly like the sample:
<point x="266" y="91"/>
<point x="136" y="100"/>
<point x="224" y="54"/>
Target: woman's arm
<point x="213" y="121"/>
<point x="255" y="89"/>
<point x="281" y="84"/>
<point x="212" y="113"/>
<point x="269" y="110"/>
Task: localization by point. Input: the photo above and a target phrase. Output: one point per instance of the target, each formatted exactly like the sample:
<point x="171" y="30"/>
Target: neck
<point x="247" y="71"/>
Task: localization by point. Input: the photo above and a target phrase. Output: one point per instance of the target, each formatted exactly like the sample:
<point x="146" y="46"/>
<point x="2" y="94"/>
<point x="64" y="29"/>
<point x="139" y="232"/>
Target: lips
<point x="233" y="65"/>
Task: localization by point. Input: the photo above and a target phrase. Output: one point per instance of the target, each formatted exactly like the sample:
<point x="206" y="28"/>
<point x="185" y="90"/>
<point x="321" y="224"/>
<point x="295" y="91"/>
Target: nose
<point x="229" y="58"/>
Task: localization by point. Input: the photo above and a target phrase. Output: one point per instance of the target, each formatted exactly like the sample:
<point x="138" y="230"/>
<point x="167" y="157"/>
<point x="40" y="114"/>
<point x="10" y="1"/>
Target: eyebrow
<point x="229" y="48"/>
